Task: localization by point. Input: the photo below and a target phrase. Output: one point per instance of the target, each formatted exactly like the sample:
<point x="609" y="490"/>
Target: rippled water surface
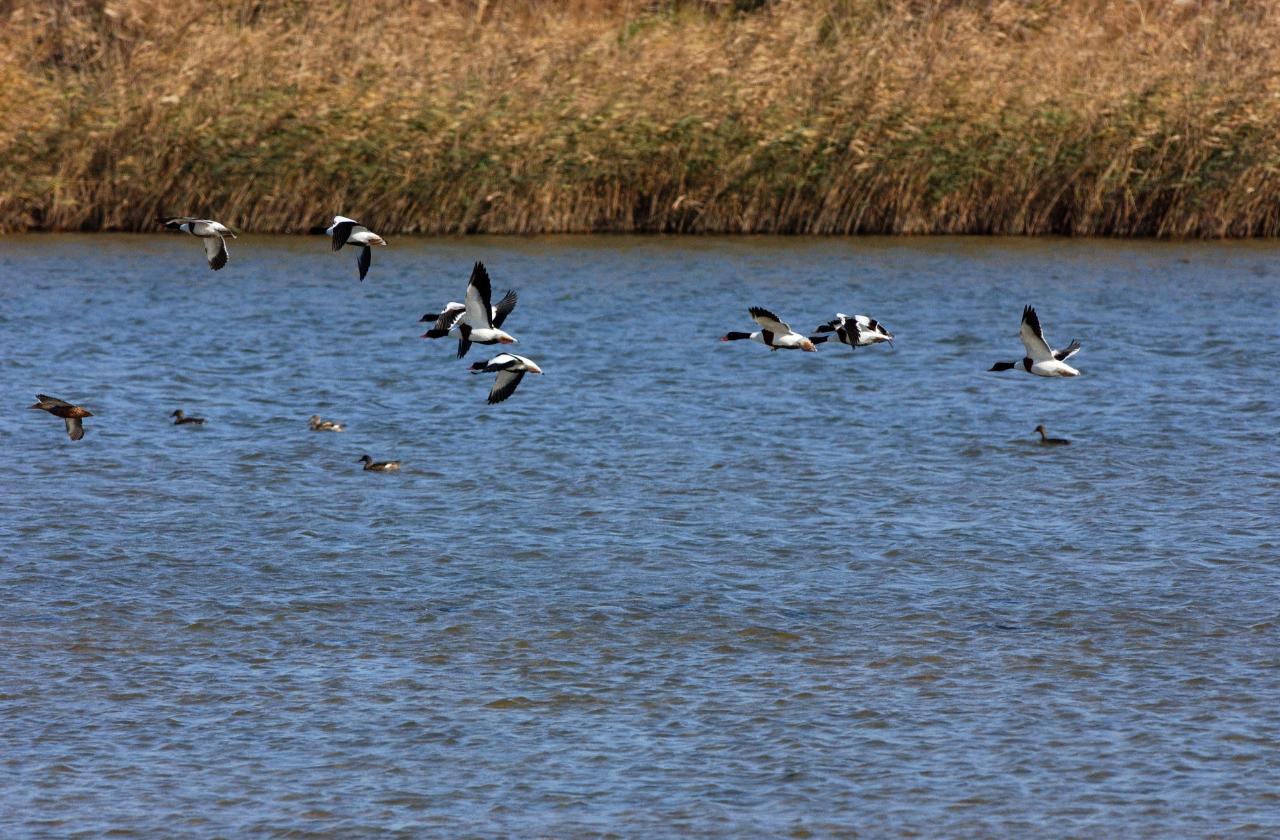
<point x="673" y="586"/>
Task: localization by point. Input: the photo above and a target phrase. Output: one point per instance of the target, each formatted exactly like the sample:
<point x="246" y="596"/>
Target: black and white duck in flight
<point x="479" y="321"/>
<point x="1041" y="359"/>
<point x="448" y="320"/>
<point x="212" y="234"/>
<point x="510" y="369"/>
<point x="853" y="330"/>
<point x="774" y="333"/>
<point x="72" y="415"/>
<point x="350" y="232"/>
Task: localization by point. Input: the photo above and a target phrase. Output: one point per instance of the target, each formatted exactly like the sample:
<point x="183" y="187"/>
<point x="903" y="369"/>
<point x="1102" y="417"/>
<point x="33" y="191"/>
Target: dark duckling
<point x="180" y="419"/>
<point x="1048" y="441"/>
<point x="70" y="414"/>
<point x="371" y="465"/>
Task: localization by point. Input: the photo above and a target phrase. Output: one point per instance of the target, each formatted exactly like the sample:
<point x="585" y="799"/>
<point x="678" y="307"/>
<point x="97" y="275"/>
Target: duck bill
<point x="532" y="368"/>
<point x="506" y="339"/>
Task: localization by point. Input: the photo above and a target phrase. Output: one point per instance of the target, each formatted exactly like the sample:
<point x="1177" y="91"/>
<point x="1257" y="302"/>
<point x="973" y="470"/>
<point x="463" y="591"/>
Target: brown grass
<point x="1134" y="117"/>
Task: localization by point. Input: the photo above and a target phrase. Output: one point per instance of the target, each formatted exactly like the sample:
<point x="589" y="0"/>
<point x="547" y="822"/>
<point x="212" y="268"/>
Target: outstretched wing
<point x="448" y="318"/>
<point x="1033" y="338"/>
<point x="768" y="321"/>
<point x="1068" y="351"/>
<point x="75" y="428"/>
<point x="505" y="385"/>
<point x="504" y="307"/>
<point x="342" y="231"/>
<point x="479" y="310"/>
<point x="363" y="259"/>
<point x="215" y="251"/>
<point x="45" y="398"/>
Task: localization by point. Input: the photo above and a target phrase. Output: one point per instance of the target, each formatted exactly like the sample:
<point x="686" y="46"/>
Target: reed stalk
<point x="1082" y="117"/>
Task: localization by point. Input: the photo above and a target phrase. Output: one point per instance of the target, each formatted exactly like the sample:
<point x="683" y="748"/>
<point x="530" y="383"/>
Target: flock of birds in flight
<point x="478" y="321"/>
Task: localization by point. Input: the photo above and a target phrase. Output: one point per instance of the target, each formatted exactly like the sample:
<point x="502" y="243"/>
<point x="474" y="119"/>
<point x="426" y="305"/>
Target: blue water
<point x="672" y="586"/>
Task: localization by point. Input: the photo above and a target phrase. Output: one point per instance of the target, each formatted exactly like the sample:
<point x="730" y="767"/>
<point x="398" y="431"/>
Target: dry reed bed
<point x="805" y="116"/>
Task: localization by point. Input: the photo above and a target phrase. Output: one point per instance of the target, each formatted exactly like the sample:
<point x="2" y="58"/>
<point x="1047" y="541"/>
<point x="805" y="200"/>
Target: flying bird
<point x="1041" y="359"/>
<point x="350" y="232"/>
<point x="853" y="330"/>
<point x="446" y="321"/>
<point x="72" y="415"/>
<point x="480" y="321"/>
<point x="212" y="234"/>
<point x="510" y="369"/>
<point x="774" y="333"/>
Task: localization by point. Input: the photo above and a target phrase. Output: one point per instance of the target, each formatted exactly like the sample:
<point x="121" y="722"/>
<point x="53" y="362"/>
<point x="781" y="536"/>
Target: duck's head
<point x="364" y="459"/>
<point x="1040" y="429"/>
<point x="503" y="338"/>
<point x="531" y="367"/>
<point x="1002" y="366"/>
<point x="735" y="336"/>
<point x="177" y="413"/>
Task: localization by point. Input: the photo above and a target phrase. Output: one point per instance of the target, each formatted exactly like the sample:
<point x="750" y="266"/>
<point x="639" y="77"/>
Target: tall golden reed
<point x="1132" y="117"/>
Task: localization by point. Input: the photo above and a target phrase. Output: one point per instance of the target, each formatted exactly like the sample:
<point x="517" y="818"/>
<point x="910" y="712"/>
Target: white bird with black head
<point x="350" y="232"/>
<point x="449" y="321"/>
<point x="853" y="330"/>
<point x="510" y="369"/>
<point x="774" y="333"/>
<point x="480" y="321"/>
<point x="211" y="234"/>
<point x="1041" y="359"/>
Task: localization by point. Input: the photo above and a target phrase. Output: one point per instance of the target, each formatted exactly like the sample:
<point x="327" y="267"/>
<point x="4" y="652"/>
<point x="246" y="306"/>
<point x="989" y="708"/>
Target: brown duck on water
<point x="71" y="414"/>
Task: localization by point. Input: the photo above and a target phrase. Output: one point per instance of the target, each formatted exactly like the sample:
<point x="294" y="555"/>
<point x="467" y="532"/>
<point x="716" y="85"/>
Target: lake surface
<point x="673" y="586"/>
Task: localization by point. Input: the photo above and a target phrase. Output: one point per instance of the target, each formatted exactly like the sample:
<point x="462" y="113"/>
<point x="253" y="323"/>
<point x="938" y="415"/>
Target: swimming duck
<point x="212" y="234"/>
<point x="181" y="419"/>
<point x="774" y="333"/>
<point x="318" y="425"/>
<point x="445" y="322"/>
<point x="1048" y="441"/>
<point x="510" y="369"/>
<point x="1040" y="359"/>
<point x="71" y="414"/>
<point x="350" y="232"/>
<point x="371" y="465"/>
<point x="853" y="330"/>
